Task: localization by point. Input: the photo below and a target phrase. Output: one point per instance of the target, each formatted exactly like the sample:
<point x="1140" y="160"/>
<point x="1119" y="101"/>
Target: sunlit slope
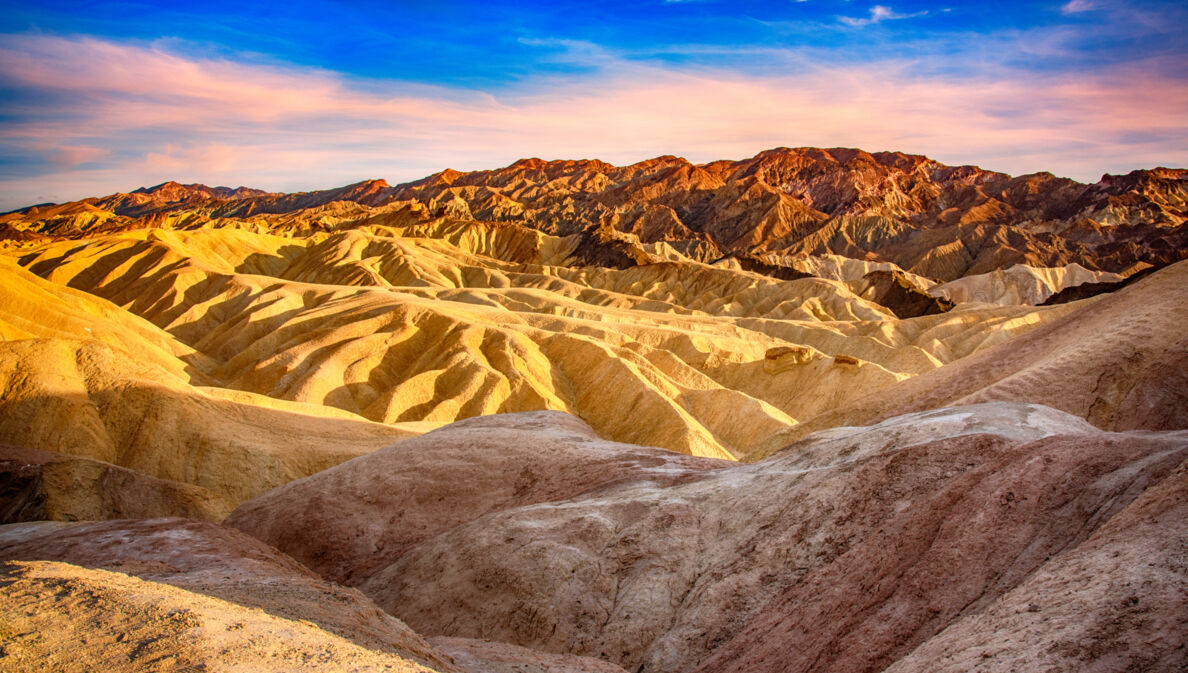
<point x="441" y="320"/>
<point x="83" y="377"/>
<point x="1116" y="360"/>
<point x="1020" y="284"/>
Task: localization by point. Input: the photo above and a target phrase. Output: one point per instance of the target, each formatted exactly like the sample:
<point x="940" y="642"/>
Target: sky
<point x="98" y="97"/>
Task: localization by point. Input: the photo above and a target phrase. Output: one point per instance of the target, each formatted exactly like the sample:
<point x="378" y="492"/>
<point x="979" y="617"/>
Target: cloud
<point x="1078" y="6"/>
<point x="100" y="116"/>
<point x="70" y="156"/>
<point x="880" y="13"/>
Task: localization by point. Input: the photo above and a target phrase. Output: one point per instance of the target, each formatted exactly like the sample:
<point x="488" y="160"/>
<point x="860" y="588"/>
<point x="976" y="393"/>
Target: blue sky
<point x="106" y="96"/>
<point x="492" y="44"/>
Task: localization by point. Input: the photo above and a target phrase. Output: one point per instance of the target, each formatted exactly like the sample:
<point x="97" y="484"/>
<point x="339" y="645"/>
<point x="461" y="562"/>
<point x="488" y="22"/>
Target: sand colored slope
<point x="845" y="553"/>
<point x="1117" y="361"/>
<point x="401" y="329"/>
<point x="86" y="378"/>
<point x="83" y="398"/>
<point x="62" y="617"/>
<point x="1020" y="284"/>
<point x="437" y="259"/>
<point x="46" y="485"/>
<point x="33" y="308"/>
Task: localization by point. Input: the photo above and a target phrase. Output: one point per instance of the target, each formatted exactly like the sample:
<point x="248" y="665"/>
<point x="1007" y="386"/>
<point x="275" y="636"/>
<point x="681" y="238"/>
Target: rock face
<point x="366" y="513"/>
<point x="211" y="576"/>
<point x="847" y="551"/>
<point x="175" y="594"/>
<point x="44" y="485"/>
<point x="22" y="491"/>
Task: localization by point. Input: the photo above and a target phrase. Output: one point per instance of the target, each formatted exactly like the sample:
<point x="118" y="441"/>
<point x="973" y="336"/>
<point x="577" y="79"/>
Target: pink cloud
<point x="146" y="115"/>
<point x="69" y="156"/>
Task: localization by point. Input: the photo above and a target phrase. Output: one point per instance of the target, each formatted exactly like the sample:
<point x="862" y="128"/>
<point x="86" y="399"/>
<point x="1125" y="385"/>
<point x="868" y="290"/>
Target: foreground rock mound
<point x="485" y="656"/>
<point x="847" y="552"/>
<point x="363" y="515"/>
<point x="207" y="559"/>
<point x="178" y="595"/>
<point x="77" y="620"/>
<point x="1115" y="603"/>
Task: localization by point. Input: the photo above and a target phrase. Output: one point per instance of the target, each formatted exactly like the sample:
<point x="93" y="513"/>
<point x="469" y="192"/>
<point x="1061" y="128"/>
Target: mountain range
<point x="937" y="221"/>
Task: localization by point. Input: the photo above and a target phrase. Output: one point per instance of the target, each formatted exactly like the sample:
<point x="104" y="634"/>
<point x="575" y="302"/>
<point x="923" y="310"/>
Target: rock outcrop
<point x="848" y="551"/>
<point x="1021" y="284"/>
<point x="40" y="485"/>
<point x="210" y="577"/>
<point x="897" y="291"/>
<point x="175" y="594"/>
<point x="366" y="513"/>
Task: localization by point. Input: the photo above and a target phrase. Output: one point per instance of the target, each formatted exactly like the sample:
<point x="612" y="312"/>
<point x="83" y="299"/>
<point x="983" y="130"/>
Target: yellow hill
<point x="441" y="320"/>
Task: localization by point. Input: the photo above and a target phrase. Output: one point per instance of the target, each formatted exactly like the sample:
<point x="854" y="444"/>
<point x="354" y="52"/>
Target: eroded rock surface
<point x="206" y="559"/>
<point x="366" y="513"/>
<point x="845" y="552"/>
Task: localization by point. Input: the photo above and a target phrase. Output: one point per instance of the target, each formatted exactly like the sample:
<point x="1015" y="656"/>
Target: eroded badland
<point x="818" y="410"/>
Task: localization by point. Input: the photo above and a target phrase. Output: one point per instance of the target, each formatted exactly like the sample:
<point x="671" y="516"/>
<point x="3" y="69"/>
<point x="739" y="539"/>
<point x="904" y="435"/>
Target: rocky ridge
<point x="941" y="222"/>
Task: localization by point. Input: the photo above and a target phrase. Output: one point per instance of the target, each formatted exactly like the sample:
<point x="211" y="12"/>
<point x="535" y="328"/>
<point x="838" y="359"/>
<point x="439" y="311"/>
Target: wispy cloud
<point x="98" y="116"/>
<point x="878" y="14"/>
<point x="1078" y="6"/>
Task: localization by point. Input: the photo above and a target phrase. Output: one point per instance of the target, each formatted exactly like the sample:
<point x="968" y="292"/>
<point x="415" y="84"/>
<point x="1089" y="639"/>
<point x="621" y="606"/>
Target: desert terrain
<point x="816" y="410"/>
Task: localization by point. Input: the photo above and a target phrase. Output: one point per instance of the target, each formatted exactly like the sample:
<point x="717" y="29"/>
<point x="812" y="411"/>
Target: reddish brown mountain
<point x="941" y="222"/>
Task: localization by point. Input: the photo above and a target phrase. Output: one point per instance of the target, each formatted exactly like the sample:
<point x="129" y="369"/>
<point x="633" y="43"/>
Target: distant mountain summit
<point x="933" y="220"/>
<point x="173" y="191"/>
